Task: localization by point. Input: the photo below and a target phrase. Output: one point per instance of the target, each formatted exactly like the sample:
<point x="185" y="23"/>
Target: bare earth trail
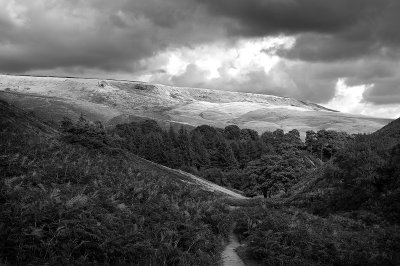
<point x="229" y="255"/>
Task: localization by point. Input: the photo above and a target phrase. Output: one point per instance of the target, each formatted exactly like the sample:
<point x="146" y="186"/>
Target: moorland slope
<point x="113" y="102"/>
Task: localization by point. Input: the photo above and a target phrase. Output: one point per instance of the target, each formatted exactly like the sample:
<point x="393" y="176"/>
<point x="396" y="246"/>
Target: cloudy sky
<point x="344" y="54"/>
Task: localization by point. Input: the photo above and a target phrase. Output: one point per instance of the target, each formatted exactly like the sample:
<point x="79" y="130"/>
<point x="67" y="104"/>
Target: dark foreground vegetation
<point x="292" y="236"/>
<point x="347" y="212"/>
<point x="66" y="204"/>
<point x="81" y="196"/>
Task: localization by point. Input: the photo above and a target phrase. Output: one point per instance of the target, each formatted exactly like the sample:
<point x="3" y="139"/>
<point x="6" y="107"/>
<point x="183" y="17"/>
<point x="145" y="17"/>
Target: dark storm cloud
<point x="328" y="30"/>
<point x="385" y="91"/>
<point x="113" y="34"/>
<point x="314" y="48"/>
<point x="261" y="17"/>
<point x="102" y="34"/>
<point x="316" y="81"/>
<point x="357" y="40"/>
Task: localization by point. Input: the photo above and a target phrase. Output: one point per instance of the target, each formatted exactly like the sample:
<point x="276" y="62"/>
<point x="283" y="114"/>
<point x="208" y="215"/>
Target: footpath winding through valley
<point x="229" y="255"/>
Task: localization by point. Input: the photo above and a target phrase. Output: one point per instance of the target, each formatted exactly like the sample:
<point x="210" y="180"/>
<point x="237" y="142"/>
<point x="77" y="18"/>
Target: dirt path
<point x="229" y="255"/>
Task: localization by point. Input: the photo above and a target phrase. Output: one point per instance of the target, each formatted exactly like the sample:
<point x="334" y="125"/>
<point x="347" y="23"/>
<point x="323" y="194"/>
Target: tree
<point x="223" y="156"/>
<point x="248" y="134"/>
<point x="278" y="134"/>
<point x="210" y="136"/>
<point x="232" y="132"/>
<point x="185" y="148"/>
<point x="311" y="140"/>
<point x="293" y="137"/>
<point x="172" y="136"/>
<point x="201" y="156"/>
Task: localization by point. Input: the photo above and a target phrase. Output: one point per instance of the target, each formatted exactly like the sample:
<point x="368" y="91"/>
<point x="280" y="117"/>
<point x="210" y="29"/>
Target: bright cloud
<point x="349" y="99"/>
<point x="224" y="44"/>
<point x="221" y="59"/>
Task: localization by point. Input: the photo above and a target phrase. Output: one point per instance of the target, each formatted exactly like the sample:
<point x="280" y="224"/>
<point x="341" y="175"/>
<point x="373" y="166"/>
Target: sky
<point x="343" y="54"/>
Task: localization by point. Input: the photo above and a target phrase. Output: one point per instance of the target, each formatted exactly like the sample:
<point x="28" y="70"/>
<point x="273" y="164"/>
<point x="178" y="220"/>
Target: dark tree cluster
<point x="232" y="157"/>
<point x="367" y="177"/>
<point x="326" y="143"/>
<point x="242" y="159"/>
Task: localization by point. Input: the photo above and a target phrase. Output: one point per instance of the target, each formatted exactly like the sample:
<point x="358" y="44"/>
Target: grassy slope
<point x="283" y="231"/>
<point x="66" y="204"/>
<point x="114" y="102"/>
<point x="63" y="203"/>
<point x="292" y="236"/>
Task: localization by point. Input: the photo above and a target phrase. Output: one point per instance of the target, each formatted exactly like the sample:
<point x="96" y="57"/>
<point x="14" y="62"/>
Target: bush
<point x="63" y="204"/>
<point x="289" y="236"/>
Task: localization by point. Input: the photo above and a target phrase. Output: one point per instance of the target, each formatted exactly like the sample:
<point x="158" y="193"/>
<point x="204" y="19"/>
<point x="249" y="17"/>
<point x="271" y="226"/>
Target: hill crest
<point x="113" y="102"/>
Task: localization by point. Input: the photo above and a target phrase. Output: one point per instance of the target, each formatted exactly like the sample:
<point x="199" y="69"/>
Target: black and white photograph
<point x="200" y="132"/>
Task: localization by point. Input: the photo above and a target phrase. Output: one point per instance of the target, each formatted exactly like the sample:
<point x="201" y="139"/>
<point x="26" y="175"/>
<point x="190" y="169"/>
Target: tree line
<point x="242" y="159"/>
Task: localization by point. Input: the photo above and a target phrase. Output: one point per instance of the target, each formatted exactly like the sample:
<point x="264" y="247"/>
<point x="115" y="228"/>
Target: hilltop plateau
<point x="116" y="101"/>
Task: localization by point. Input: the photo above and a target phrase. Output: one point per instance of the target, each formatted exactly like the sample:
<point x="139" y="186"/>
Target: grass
<point x="67" y="204"/>
<point x="290" y="236"/>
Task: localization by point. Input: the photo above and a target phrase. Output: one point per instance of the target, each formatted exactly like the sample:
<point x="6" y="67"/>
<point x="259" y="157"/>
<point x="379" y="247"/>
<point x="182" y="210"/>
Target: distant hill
<point x="114" y="102"/>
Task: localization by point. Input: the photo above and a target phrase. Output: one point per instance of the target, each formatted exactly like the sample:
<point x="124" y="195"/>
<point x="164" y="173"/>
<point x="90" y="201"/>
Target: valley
<point x="200" y="133"/>
<point x="150" y="192"/>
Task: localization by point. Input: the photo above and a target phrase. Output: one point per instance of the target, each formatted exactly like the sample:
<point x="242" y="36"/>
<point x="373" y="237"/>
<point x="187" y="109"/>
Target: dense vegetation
<point x="233" y="157"/>
<point x="344" y="213"/>
<point x="68" y="204"/>
<point x="291" y="236"/>
<point x="83" y="197"/>
<point x="363" y="179"/>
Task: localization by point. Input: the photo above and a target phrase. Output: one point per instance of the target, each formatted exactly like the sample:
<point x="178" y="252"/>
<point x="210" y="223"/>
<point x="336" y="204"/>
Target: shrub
<point x="289" y="236"/>
<point x="63" y="204"/>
